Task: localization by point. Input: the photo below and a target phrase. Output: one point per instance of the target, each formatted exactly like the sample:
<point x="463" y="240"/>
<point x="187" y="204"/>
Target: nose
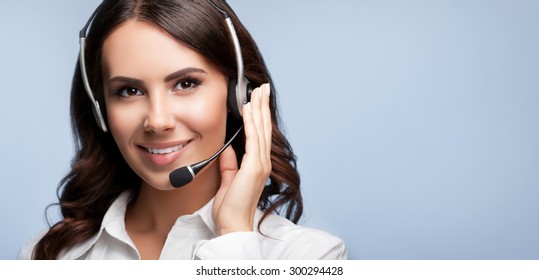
<point x="160" y="118"/>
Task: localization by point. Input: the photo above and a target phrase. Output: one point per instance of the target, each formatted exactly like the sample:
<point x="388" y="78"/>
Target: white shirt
<point x="193" y="237"/>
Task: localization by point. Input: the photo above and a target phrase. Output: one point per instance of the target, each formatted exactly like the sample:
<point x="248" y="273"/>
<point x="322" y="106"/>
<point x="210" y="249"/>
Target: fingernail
<point x="268" y="89"/>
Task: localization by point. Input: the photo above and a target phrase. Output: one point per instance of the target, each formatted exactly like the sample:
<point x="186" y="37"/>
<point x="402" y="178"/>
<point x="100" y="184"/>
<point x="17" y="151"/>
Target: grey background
<point x="415" y="122"/>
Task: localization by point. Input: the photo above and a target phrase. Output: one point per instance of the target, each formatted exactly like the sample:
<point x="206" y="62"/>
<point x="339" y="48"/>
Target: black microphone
<point x="184" y="175"/>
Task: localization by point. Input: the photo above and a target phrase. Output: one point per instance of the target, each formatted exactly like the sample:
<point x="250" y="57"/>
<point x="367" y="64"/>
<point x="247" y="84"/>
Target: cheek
<point x="208" y="117"/>
<point x="207" y="111"/>
<point x="123" y="123"/>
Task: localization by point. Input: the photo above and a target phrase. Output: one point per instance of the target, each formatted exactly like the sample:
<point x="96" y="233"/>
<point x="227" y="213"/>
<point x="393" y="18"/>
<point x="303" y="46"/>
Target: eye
<point x="187" y="84"/>
<point x="128" y="92"/>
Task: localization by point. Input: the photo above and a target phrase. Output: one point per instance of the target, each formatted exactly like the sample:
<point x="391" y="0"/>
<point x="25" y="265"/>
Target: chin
<point x="163" y="188"/>
<point x="160" y="184"/>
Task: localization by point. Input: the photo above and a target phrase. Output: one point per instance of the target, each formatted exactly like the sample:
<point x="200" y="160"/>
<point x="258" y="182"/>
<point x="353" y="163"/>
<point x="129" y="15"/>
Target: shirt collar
<point x="205" y="213"/>
<point x="114" y="223"/>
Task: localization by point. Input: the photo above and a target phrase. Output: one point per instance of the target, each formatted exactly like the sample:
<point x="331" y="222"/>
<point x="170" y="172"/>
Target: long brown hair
<point x="99" y="173"/>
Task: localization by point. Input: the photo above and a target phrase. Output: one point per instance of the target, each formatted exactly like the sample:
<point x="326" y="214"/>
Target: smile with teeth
<point x="165" y="150"/>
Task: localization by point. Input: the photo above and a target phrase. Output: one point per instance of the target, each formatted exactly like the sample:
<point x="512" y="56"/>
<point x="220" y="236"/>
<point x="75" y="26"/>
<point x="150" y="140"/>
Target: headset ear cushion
<point x="249" y="91"/>
<point x="231" y="99"/>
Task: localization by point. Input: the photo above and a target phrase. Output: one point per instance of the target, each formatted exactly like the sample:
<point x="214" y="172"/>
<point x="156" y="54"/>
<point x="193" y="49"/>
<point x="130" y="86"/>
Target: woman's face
<point x="166" y="104"/>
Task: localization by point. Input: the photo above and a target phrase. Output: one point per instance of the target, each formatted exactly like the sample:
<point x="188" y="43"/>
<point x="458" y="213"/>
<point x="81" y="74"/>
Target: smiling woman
<point x="170" y="76"/>
<point x="161" y="117"/>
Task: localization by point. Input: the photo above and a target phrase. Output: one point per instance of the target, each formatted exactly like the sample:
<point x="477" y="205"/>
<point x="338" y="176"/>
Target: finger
<point x="228" y="167"/>
<point x="266" y="115"/>
<point x="251" y="137"/>
<point x="258" y="120"/>
<point x="264" y="125"/>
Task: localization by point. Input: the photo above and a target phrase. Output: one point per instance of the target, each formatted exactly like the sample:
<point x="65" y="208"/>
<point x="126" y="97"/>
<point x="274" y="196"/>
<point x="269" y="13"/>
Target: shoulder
<point x="112" y="220"/>
<point x="286" y="240"/>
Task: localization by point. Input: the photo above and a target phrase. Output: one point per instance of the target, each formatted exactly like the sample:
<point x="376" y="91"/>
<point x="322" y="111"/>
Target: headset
<point x="239" y="88"/>
<point x="239" y="93"/>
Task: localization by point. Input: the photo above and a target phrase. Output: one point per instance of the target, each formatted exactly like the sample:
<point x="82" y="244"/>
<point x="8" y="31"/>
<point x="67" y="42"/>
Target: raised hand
<point x="235" y="203"/>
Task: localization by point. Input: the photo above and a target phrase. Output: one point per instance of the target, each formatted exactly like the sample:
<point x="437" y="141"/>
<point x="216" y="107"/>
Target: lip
<point x="163" y="157"/>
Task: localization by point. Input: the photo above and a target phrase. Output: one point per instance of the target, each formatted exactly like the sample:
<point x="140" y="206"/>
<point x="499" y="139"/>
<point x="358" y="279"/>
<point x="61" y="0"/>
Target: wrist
<point x="227" y="230"/>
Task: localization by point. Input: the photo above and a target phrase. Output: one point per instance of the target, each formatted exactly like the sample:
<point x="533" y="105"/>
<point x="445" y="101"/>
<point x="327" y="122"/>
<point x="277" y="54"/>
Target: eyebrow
<point x="183" y="72"/>
<point x="125" y="80"/>
<point x="178" y="74"/>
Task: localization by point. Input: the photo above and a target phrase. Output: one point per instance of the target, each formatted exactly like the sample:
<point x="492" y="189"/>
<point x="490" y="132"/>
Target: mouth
<point x="156" y="151"/>
<point x="161" y="154"/>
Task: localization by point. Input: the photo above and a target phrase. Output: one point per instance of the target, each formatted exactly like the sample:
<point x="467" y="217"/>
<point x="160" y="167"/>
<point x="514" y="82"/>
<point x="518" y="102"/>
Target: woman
<point x="164" y="71"/>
